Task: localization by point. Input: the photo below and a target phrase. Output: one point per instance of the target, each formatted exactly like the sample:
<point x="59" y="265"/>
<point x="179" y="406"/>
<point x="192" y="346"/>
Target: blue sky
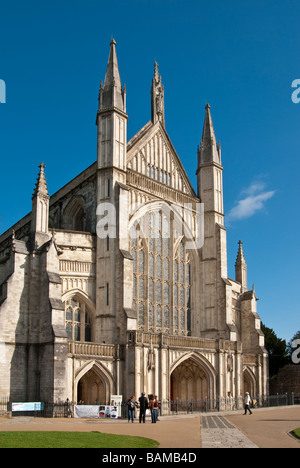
<point x="241" y="57"/>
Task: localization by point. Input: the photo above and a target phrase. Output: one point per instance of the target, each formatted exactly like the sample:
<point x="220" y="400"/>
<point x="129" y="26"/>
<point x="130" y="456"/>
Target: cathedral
<point x="117" y="284"/>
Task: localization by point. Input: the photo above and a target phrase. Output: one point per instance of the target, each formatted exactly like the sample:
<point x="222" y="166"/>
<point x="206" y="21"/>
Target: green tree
<point x="277" y="349"/>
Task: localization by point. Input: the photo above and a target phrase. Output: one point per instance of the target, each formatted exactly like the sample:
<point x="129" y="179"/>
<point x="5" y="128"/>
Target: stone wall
<point x="287" y="380"/>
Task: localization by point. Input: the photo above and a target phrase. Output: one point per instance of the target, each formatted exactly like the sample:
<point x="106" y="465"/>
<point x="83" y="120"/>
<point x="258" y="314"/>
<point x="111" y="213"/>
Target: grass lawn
<point x="45" y="439"/>
<point x="296" y="432"/>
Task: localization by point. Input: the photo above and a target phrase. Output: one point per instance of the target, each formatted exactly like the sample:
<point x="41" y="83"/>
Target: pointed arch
<point x="158" y="229"/>
<point x="74" y="214"/>
<point x="204" y="365"/>
<point x="249" y="381"/>
<point x="80" y="314"/>
<point x="81" y="296"/>
<point x="102" y="375"/>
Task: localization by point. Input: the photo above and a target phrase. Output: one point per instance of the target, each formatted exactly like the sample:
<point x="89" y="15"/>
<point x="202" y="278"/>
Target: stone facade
<point x="105" y="288"/>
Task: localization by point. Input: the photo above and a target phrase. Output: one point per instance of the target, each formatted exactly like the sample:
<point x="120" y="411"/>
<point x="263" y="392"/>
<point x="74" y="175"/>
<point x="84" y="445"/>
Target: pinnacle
<point x="41" y="184"/>
<point x="240" y="256"/>
<point x="209" y="150"/>
<point x="111" y="93"/>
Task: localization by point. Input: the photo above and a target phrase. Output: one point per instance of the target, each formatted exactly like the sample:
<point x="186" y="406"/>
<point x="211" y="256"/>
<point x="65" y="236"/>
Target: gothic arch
<point x="81" y="296"/>
<point x="206" y="371"/>
<point x="168" y="210"/>
<point x="153" y="256"/>
<point x="102" y="375"/>
<point x="74" y="214"/>
<point x="249" y="381"/>
<point x="85" y="325"/>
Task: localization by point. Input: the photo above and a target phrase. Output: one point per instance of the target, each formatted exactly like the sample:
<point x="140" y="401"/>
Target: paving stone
<point x="218" y="432"/>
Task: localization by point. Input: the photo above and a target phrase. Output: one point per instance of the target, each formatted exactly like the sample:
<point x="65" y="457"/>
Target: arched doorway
<point x="189" y="382"/>
<point x="91" y="389"/>
<point x="249" y="382"/>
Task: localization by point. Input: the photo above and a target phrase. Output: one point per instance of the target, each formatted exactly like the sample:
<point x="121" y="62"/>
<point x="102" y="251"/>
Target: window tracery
<point x="78" y="321"/>
<point x="161" y="278"/>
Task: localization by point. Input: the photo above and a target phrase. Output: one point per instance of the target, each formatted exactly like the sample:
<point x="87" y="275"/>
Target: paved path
<point x="218" y="432"/>
<point x="270" y="428"/>
<point x="266" y="428"/>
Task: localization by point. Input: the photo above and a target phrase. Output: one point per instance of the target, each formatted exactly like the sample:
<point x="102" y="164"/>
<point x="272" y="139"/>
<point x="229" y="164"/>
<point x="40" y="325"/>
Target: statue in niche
<point x="158" y="101"/>
<point x="230" y="363"/>
<point x="151" y="359"/>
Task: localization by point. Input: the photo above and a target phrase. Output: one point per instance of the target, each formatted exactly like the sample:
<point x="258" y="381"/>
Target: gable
<point x="151" y="153"/>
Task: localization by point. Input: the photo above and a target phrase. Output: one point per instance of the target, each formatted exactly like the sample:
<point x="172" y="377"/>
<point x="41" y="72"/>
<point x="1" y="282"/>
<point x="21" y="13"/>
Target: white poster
<point x="96" y="411"/>
<point x="116" y="403"/>
<point x="86" y="411"/>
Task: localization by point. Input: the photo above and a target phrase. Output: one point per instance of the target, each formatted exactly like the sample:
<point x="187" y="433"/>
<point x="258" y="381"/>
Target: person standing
<point x="247" y="403"/>
<point x="156" y="407"/>
<point x="143" y="407"/>
<point x="152" y="408"/>
<point x="131" y="405"/>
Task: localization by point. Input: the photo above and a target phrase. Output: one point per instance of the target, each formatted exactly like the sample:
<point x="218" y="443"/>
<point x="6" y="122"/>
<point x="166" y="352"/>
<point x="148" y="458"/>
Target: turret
<point x="111" y="117"/>
<point x="111" y="201"/>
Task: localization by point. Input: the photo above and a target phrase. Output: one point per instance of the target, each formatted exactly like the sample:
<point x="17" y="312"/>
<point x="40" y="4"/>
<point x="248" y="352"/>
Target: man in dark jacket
<point x="143" y="406"/>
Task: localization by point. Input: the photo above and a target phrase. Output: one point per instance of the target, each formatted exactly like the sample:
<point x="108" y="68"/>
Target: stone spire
<point x="209" y="151"/>
<point x="41" y="184"/>
<point x="241" y="268"/>
<point x="157" y="98"/>
<point x="111" y="95"/>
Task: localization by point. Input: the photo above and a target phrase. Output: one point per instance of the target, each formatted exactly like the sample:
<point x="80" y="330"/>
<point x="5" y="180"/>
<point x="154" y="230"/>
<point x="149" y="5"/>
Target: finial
<point x="113" y="42"/>
<point x="207" y="106"/>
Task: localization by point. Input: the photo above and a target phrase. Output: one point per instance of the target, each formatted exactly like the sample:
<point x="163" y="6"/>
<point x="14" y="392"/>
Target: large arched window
<point x="78" y="320"/>
<point x="161" y="278"/>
